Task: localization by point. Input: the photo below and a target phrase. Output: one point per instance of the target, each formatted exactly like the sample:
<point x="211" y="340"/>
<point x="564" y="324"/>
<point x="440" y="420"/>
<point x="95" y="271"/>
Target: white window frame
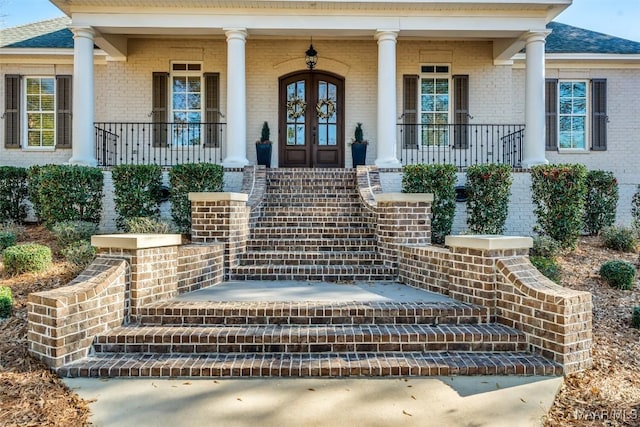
<point x="435" y="75"/>
<point x="24" y="112"/>
<point x="587" y="115"/>
<point x="186" y="73"/>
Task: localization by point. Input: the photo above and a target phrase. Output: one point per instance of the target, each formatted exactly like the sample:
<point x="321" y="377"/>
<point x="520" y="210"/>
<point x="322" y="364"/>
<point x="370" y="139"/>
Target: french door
<point x="311" y="114"/>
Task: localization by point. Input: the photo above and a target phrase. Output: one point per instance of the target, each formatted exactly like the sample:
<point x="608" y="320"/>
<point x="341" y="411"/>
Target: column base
<point x="528" y="163"/>
<point x="391" y="163"/>
<point x="235" y="162"/>
<point x="83" y="161"/>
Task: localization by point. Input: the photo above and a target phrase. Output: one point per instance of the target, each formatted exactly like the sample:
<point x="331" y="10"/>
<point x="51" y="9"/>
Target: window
<point x="576" y="115"/>
<point x="186" y="105"/>
<point x="435" y="82"/>
<point x="37" y="111"/>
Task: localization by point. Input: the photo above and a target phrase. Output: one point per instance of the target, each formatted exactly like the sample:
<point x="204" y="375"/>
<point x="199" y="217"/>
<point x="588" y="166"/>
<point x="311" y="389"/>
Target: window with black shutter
<point x="461" y="111"/>
<point x="159" y="99"/>
<point x="551" y="114"/>
<point x="12" y="111"/>
<point x="212" y="109"/>
<point x="599" y="116"/>
<point x="410" y="111"/>
<point x="63" y="111"/>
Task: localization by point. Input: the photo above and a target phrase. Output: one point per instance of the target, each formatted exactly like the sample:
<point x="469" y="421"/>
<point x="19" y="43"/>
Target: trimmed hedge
<point x="488" y="190"/>
<point x="548" y="266"/>
<point x="191" y="178"/>
<point x="600" y="201"/>
<point x="137" y="192"/>
<point x="66" y="193"/>
<point x="440" y="180"/>
<point x="14" y="190"/>
<point x="7" y="239"/>
<point x="619" y="274"/>
<point x="558" y="195"/>
<point x="29" y="257"/>
<point x="6" y="302"/>
<point x="80" y="253"/>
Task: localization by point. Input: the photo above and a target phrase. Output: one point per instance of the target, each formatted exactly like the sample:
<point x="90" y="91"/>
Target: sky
<point x="615" y="17"/>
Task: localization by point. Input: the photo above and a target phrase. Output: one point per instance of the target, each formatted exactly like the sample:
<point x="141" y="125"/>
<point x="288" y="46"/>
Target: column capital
<point x="235" y="33"/>
<point x="82" y="31"/>
<point x="536" y="36"/>
<point x="386" y="35"/>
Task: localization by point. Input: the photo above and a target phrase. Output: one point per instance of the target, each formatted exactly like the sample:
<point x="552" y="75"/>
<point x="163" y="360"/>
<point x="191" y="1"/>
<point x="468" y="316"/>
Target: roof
<point x="568" y="39"/>
<point x="53" y="33"/>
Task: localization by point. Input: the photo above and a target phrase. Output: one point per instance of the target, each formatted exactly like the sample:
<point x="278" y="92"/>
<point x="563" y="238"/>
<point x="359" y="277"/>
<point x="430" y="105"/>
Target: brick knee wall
<point x="425" y="267"/>
<point x="200" y="266"/>
<point x="63" y="321"/>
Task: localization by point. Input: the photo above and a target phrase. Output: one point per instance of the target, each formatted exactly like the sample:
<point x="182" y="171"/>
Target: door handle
<point x="313" y="135"/>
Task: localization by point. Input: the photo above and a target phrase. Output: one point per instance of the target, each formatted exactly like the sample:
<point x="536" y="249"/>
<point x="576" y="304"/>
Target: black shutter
<point x="461" y="111"/>
<point x="63" y="111"/>
<point x="12" y="111"/>
<point x="410" y="111"/>
<point x="212" y="109"/>
<point x="159" y="99"/>
<point x="599" y="114"/>
<point x="551" y="114"/>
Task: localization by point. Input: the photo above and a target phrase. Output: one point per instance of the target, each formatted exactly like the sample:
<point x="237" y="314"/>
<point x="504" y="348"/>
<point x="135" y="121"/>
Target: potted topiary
<point x="263" y="147"/>
<point x="358" y="147"/>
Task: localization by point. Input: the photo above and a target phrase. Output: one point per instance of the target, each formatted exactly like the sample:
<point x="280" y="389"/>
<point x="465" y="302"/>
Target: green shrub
<point x="488" y="190"/>
<point x="191" y="178"/>
<point x="545" y="246"/>
<point x="29" y="257"/>
<point x="137" y="190"/>
<point x="635" y="318"/>
<point x="14" y="228"/>
<point x="549" y="267"/>
<point x="635" y="210"/>
<point x="621" y="239"/>
<point x="68" y="232"/>
<point x="80" y="253"/>
<point x="63" y="192"/>
<point x="14" y="190"/>
<point x="7" y="239"/>
<point x="601" y="201"/>
<point x="146" y="225"/>
<point x="558" y="195"/>
<point x="440" y="180"/>
<point x="618" y="274"/>
<point x="6" y="302"/>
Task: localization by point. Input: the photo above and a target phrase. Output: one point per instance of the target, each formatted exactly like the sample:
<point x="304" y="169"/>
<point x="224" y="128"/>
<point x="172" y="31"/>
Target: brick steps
<point x="313" y="272"/>
<point x="309" y="339"/>
<point x="311" y="365"/>
<point x="317" y="257"/>
<point x="305" y="245"/>
<point x="200" y="313"/>
<point x="311" y="233"/>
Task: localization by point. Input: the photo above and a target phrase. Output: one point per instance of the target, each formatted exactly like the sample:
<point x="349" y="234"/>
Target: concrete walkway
<point x="453" y="401"/>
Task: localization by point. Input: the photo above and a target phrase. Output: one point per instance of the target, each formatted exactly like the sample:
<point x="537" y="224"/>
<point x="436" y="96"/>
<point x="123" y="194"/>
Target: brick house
<point x="461" y="82"/>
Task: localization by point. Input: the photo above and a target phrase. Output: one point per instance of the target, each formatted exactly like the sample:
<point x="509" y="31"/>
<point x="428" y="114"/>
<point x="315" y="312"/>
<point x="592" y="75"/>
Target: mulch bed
<point x="607" y="395"/>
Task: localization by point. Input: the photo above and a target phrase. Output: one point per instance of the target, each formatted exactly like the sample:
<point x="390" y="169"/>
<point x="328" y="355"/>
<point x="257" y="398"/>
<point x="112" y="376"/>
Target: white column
<point x="534" y="109"/>
<point x="236" y="155"/>
<point x="386" y="144"/>
<point x="83" y="135"/>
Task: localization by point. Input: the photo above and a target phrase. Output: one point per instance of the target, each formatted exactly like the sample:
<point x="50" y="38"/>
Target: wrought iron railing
<point x="164" y="144"/>
<point x="460" y="145"/>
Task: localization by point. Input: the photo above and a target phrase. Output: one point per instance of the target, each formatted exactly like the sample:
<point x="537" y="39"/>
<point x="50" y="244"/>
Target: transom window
<point x="572" y="114"/>
<point x="435" y="84"/>
<point x="186" y="104"/>
<point x="40" y="112"/>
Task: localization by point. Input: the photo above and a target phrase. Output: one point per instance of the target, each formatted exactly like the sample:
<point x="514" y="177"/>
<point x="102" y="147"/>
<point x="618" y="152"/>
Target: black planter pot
<point x="263" y="154"/>
<point x="359" y="154"/>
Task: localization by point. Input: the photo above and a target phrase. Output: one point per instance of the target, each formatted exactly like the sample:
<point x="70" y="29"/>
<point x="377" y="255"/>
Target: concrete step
<point x="324" y="273"/>
<point x="233" y="365"/>
<point x="200" y="313"/>
<point x="309" y="339"/>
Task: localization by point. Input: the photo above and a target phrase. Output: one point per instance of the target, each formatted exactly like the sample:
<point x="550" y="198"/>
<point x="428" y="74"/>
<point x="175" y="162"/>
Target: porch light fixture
<point x="311" y="57"/>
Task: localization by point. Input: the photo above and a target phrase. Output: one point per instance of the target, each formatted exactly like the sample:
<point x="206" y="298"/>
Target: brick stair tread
<point x="309" y="338"/>
<point x="328" y="273"/>
<point x="315" y="257"/>
<point x="309" y="312"/>
<point x="312" y="365"/>
<point x="311" y="233"/>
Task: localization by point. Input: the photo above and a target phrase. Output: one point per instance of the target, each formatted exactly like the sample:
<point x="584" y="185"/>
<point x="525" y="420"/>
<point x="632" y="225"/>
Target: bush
<point x="14" y="190"/>
<point x="13" y="228"/>
<point x="7" y="239"/>
<point x="440" y="180"/>
<point x="558" y="195"/>
<point x="488" y="190"/>
<point x="68" y="232"/>
<point x="545" y="246"/>
<point x="63" y="192"/>
<point x="30" y="257"/>
<point x="618" y="274"/>
<point x="621" y="239"/>
<point x="635" y="318"/>
<point x="200" y="177"/>
<point x="80" y="253"/>
<point x="601" y="201"/>
<point x="6" y="302"/>
<point x="635" y="210"/>
<point x="137" y="191"/>
<point x="549" y="267"/>
<point x="146" y="225"/>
